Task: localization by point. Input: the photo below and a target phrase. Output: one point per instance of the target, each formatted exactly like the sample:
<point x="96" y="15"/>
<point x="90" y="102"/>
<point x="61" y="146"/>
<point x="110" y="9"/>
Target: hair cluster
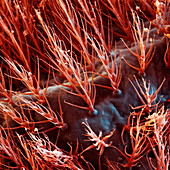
<point x="84" y="84"/>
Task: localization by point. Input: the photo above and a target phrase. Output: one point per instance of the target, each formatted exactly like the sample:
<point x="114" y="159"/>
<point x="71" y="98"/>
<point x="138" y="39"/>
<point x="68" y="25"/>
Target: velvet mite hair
<point x="84" y="84"/>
